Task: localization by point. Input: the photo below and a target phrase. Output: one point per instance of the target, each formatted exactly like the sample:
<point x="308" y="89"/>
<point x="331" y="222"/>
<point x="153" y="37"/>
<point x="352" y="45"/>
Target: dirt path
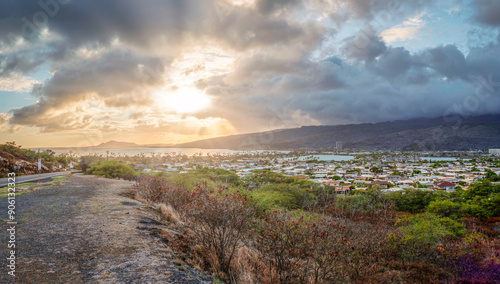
<point x="86" y="230"/>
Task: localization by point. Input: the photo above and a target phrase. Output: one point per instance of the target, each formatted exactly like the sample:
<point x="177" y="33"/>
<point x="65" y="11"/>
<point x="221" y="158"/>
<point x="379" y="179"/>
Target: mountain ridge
<point x="439" y="133"/>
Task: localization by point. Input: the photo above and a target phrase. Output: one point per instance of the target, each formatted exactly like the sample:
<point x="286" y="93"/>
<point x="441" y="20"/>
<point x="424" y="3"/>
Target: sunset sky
<point x="78" y="73"/>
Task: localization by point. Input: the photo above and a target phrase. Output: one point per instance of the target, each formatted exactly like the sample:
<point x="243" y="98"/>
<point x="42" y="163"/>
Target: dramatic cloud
<point x="487" y="12"/>
<point x="125" y="67"/>
<point x="409" y="29"/>
<point x="365" y="46"/>
<point x="16" y="82"/>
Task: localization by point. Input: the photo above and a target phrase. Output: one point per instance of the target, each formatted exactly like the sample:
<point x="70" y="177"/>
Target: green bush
<point x="483" y="188"/>
<point x="113" y="169"/>
<point x="483" y="206"/>
<point x="278" y="196"/>
<point x="87" y="161"/>
<point x="446" y="208"/>
<point x="411" y="200"/>
<point x="213" y="178"/>
<point x="428" y="228"/>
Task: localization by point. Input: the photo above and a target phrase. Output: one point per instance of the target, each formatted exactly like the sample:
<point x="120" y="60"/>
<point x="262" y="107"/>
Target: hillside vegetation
<point x="23" y="161"/>
<point x="269" y="228"/>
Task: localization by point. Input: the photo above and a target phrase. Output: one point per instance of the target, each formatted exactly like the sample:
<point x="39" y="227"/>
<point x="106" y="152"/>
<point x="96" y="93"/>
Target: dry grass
<point x="247" y="265"/>
<point x="170" y="214"/>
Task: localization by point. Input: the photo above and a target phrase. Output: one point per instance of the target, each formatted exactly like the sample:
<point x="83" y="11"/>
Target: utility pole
<point x="107" y="155"/>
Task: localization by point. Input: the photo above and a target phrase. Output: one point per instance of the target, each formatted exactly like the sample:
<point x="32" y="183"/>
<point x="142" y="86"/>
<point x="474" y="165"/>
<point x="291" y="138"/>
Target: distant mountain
<point x="159" y="145"/>
<point x="116" y="144"/>
<point x="451" y="133"/>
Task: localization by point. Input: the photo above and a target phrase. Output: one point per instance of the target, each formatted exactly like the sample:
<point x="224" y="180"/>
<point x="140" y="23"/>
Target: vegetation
<point x="269" y="228"/>
<point x="10" y="151"/>
<point x="112" y="169"/>
<point x="411" y="200"/>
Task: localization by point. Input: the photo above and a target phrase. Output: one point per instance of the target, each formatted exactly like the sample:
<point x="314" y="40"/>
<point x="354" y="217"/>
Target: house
<point x="444" y="185"/>
<point x="360" y="179"/>
<point x="393" y="178"/>
<point x="343" y="189"/>
<point x="381" y="183"/>
<point x="302" y="176"/>
<point x="332" y="182"/>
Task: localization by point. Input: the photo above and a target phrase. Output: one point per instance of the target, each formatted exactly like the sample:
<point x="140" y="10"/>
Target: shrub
<point x="280" y="240"/>
<point x="482" y="188"/>
<point x="469" y="269"/>
<point x="371" y="203"/>
<point x="411" y="200"/>
<point x="278" y="196"/>
<point x="483" y="206"/>
<point x="169" y="213"/>
<point x="154" y="189"/>
<point x="430" y="228"/>
<point x="421" y="235"/>
<point x="113" y="169"/>
<point x="220" y="222"/>
<point x="87" y="161"/>
<point x="324" y="251"/>
<point x="446" y="208"/>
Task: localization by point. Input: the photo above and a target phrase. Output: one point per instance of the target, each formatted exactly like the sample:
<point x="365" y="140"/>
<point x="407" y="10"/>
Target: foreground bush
<point x="324" y="251"/>
<point x="221" y="222"/>
<point x="113" y="169"/>
<point x="154" y="189"/>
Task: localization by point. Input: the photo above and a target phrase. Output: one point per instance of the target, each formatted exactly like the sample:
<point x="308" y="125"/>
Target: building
<point x="343" y="189"/>
<point x="380" y="183"/>
<point x="444" y="185"/>
<point x="338" y="145"/>
<point x="492" y="151"/>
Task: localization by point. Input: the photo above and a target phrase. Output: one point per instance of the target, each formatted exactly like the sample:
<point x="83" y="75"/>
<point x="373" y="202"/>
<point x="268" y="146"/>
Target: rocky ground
<point x="86" y="230"/>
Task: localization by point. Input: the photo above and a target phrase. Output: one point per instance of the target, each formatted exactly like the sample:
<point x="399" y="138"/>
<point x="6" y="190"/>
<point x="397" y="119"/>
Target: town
<point x="388" y="171"/>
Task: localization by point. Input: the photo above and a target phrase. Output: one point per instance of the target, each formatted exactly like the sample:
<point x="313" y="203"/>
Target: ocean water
<point x="434" y="159"/>
<point x="133" y="151"/>
<point x="328" y="158"/>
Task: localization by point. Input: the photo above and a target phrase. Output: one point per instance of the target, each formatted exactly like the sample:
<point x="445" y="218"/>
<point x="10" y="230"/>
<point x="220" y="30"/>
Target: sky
<point x="78" y="73"/>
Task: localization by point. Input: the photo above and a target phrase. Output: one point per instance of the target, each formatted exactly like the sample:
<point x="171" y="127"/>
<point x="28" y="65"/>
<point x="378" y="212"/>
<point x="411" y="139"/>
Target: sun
<point x="183" y="100"/>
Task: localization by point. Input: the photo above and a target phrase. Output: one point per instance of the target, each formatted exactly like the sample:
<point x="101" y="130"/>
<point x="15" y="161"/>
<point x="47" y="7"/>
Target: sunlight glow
<point x="183" y="100"/>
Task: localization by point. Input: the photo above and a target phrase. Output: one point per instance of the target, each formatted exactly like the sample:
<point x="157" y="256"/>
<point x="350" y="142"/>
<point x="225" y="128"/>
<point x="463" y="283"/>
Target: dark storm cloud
<point x="365" y="46"/>
<point x="150" y="25"/>
<point x="487" y="12"/>
<point x="81" y="22"/>
<point x="269" y="6"/>
<point x="395" y="62"/>
<point x="243" y="29"/>
<point x="381" y="10"/>
<point x="382" y="83"/>
<point x="18" y="62"/>
<point x="447" y="61"/>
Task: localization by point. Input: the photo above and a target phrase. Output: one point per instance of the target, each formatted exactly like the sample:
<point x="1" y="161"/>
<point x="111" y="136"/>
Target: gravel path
<point x="86" y="230"/>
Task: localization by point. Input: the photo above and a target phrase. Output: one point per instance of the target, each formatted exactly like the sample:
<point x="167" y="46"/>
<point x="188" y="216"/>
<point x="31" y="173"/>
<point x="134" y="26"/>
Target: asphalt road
<point x="33" y="178"/>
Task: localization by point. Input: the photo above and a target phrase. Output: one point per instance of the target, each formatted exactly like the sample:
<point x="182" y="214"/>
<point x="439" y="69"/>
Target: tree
<point x="490" y="175"/>
<point x="421" y="235"/>
<point x="446" y="208"/>
<point x="411" y="200"/>
<point x="376" y="170"/>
